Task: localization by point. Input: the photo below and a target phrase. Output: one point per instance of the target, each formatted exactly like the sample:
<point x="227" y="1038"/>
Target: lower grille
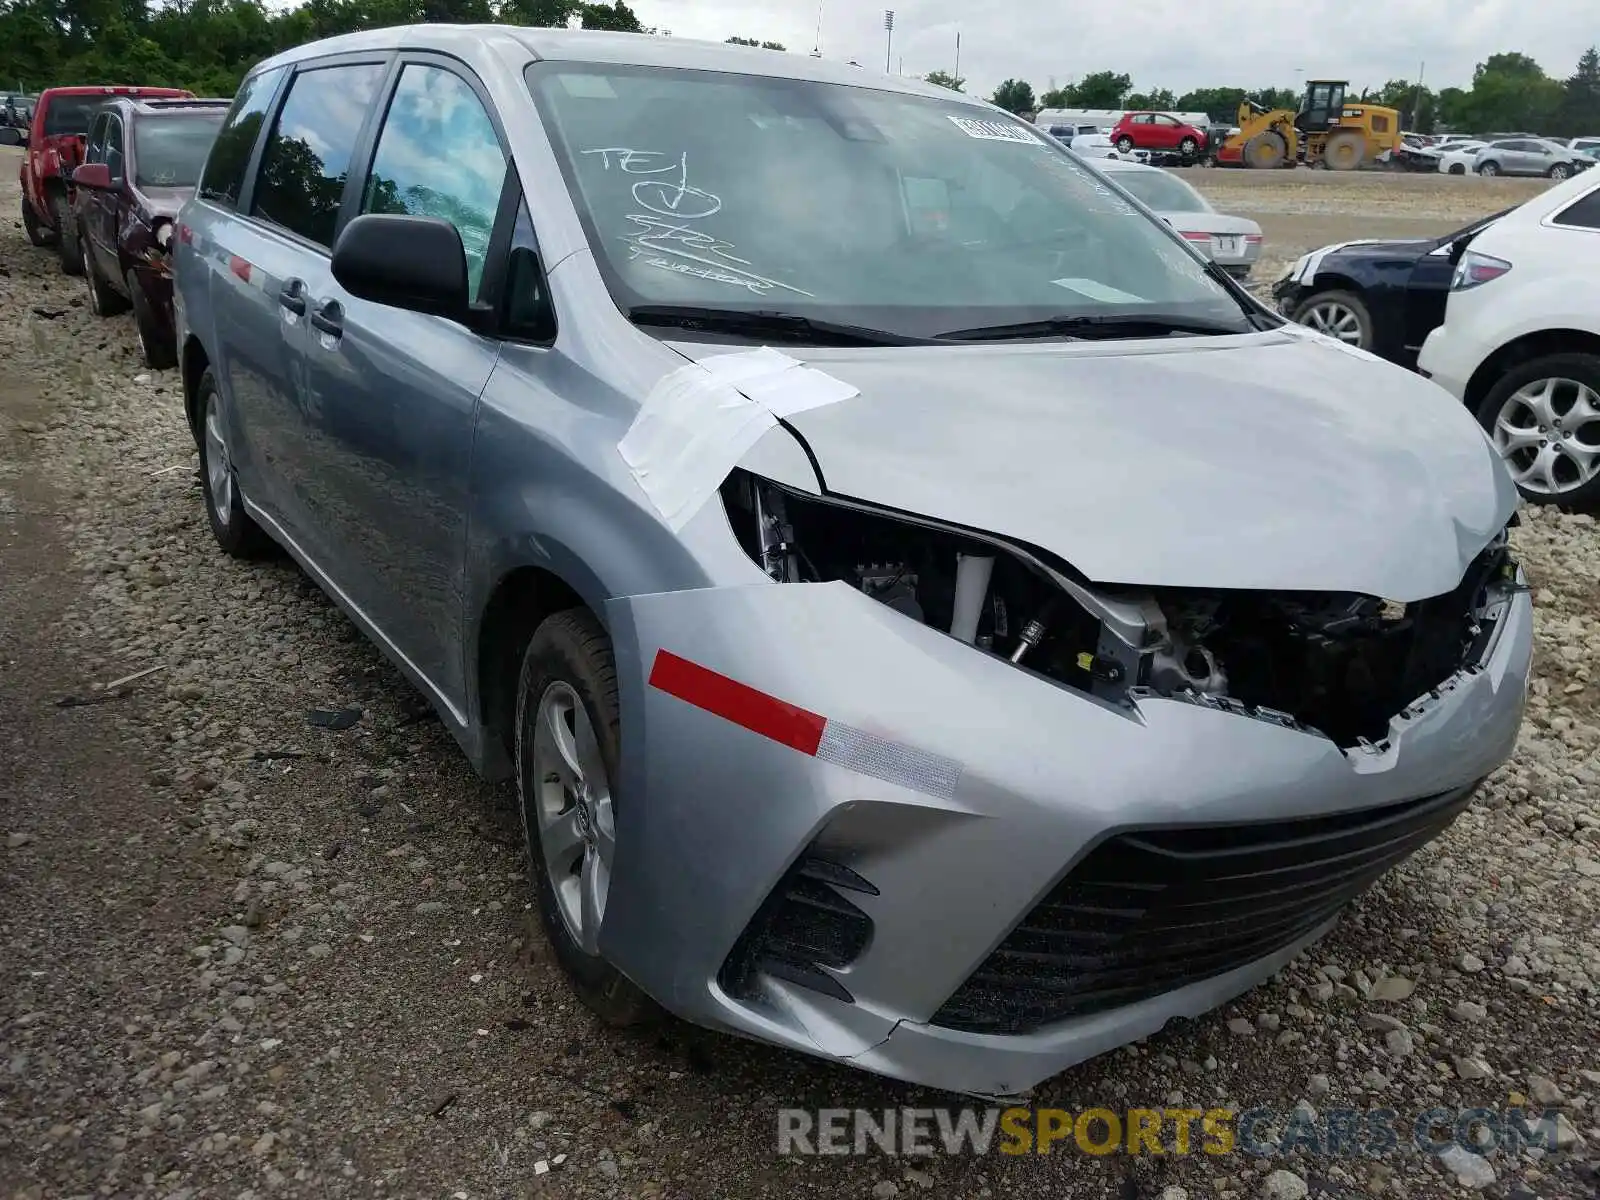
<point x="1150" y="911"/>
<point x="806" y="926"/>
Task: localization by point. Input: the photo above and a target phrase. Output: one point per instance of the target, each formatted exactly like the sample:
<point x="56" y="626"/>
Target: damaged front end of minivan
<point x="1343" y="665"/>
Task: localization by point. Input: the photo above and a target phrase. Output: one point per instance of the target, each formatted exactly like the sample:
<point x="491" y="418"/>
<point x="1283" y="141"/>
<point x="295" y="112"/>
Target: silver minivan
<point x="934" y="619"/>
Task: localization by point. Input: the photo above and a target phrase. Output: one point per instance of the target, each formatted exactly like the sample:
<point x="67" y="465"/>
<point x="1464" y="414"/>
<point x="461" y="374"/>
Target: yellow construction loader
<point x="1328" y="131"/>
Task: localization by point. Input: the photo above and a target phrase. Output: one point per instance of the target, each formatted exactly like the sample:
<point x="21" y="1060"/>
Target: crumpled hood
<point x="1281" y="460"/>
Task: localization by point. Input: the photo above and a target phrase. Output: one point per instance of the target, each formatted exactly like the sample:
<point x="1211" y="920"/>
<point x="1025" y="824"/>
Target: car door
<point x="1522" y="157"/>
<point x="390" y="396"/>
<point x="293" y="211"/>
<point x="88" y="202"/>
<point x="103" y="206"/>
<point x="1165" y="130"/>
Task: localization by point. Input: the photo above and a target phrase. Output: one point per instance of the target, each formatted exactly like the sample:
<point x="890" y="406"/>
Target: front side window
<point x="114" y="155"/>
<point x="170" y="149"/>
<point x="905" y="213"/>
<point x="70" y="114"/>
<point x="222" y="181"/>
<point x="307" y="156"/>
<point x="411" y="173"/>
<point x="95" y="152"/>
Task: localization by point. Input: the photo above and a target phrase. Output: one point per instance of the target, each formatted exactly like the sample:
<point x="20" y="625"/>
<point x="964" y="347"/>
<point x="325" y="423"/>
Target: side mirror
<point x="414" y="263"/>
<point x="10" y="136"/>
<point x="96" y="176"/>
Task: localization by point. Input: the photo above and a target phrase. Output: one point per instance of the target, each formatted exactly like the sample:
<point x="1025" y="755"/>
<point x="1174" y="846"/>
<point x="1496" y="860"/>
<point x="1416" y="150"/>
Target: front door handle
<point x="328" y="319"/>
<point x="293" y="297"/>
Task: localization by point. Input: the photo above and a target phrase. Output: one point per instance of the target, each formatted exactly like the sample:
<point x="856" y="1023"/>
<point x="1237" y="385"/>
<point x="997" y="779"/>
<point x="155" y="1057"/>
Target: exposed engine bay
<point x="1340" y="664"/>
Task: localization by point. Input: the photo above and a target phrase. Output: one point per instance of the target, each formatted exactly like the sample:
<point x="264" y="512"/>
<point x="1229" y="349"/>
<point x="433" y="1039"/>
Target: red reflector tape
<point x="240" y="267"/>
<point x="737" y="702"/>
<point x="800" y="729"/>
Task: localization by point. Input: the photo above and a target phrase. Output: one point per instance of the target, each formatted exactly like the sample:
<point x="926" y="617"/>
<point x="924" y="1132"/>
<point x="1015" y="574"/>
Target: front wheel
<point x="1340" y="315"/>
<point x="568" y="754"/>
<point x="156" y="345"/>
<point x="1188" y="146"/>
<point x="1489" y="169"/>
<point x="1124" y="143"/>
<point x="1457" y="169"/>
<point x="1544" y="418"/>
<point x="103" y="300"/>
<point x="31" y="225"/>
<point x="1560" y="171"/>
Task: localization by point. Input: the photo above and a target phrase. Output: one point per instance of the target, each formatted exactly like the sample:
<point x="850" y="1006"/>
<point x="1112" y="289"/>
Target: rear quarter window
<point x="1582" y="213"/>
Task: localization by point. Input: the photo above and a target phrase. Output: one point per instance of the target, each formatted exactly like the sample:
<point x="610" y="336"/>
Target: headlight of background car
<point x="1003" y="598"/>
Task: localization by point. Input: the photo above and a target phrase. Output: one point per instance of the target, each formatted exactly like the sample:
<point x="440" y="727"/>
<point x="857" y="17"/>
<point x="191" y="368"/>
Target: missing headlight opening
<point x="1340" y="664"/>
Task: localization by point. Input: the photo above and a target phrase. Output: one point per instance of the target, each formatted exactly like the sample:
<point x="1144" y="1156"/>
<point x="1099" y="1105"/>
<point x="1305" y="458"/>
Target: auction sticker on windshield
<point x="995" y="131"/>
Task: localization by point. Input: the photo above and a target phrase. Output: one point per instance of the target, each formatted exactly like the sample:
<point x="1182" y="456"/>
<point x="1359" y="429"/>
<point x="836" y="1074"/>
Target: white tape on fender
<point x="1305" y="270"/>
<point x="700" y="420"/>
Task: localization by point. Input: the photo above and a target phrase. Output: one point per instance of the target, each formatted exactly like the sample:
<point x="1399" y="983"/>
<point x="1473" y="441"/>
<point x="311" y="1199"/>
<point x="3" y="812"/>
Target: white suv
<point x="1520" y="343"/>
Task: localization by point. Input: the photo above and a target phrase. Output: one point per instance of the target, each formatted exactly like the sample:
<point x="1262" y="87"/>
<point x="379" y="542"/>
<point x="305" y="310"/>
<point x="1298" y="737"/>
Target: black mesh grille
<point x="1150" y="911"/>
<point x="805" y="926"/>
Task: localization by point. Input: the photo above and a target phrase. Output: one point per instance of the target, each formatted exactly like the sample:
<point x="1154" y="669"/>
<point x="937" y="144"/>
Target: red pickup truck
<point x="55" y="146"/>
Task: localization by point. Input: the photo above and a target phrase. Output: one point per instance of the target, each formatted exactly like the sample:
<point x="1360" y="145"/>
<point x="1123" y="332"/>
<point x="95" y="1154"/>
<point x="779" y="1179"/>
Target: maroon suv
<point x="142" y="162"/>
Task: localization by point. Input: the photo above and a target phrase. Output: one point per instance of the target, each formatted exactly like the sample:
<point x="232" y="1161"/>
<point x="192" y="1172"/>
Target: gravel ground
<point x="245" y="957"/>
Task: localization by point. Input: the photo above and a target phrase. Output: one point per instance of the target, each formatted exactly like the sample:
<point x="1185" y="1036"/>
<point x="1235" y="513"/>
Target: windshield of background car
<point x="172" y="149"/>
<point x="849" y="204"/>
<point x="70" y="114"/>
<point x="1160" y="191"/>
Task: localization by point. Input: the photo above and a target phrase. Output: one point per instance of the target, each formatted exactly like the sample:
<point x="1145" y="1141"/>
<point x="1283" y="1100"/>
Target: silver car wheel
<point x="572" y="805"/>
<point x="1548" y="432"/>
<point x="1334" y="319"/>
<point x="219" y="471"/>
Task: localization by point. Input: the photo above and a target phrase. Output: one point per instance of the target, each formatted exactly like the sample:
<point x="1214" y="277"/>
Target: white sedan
<point x="1460" y="157"/>
<point x="1233" y="243"/>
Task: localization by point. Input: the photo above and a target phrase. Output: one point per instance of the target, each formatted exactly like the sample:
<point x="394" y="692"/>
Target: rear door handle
<point x="293" y="297"/>
<point x="328" y="319"/>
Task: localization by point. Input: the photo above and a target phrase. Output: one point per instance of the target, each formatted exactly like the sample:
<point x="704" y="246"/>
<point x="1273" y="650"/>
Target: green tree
<point x="1579" y="113"/>
<point x="945" y="80"/>
<point x="744" y="41"/>
<point x="1099" y="89"/>
<point x="1015" y="96"/>
<point x="1160" y="100"/>
<point x="1511" y="92"/>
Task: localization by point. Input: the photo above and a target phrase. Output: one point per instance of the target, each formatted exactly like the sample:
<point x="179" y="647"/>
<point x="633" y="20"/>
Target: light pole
<point x="958" y="59"/>
<point x="816" y="50"/>
<point x="888" y="50"/>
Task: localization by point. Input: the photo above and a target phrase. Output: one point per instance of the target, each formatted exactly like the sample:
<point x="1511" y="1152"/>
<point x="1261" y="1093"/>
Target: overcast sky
<point x="1190" y="43"/>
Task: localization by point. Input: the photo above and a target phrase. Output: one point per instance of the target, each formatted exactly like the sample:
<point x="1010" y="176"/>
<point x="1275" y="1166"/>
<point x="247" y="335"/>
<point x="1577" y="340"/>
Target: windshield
<point x="1162" y="192"/>
<point x="70" y="114"/>
<point x="170" y="150"/>
<point x="913" y="215"/>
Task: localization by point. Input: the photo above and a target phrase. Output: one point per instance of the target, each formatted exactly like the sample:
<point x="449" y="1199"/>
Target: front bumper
<point x="961" y="790"/>
<point x="1448" y="361"/>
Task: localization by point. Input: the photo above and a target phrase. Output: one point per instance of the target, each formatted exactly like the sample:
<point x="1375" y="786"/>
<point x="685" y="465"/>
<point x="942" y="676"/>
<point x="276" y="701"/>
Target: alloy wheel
<point x="572" y="808"/>
<point x="219" y="471"/>
<point x="1334" y="319"/>
<point x="1548" y="432"/>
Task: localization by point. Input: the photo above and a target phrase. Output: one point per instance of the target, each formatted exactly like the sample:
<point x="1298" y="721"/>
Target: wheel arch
<point x="1524" y="349"/>
<point x="521" y="599"/>
<point x="192" y="363"/>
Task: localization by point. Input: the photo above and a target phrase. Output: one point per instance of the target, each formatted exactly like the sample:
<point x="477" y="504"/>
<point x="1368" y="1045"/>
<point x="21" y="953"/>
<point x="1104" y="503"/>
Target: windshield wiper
<point x="766" y="323"/>
<point x="1099" y="325"/>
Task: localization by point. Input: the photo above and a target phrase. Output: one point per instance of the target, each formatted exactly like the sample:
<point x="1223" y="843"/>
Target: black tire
<point x="104" y="300"/>
<point x="1489" y="169"/>
<point x="1579" y="367"/>
<point x="1124" y="143"/>
<point x="31" y="225"/>
<point x="156" y="346"/>
<point x="1458" y="169"/>
<point x="1349" y="300"/>
<point x="1187" y="147"/>
<point x="66" y="236"/>
<point x="1267" y="151"/>
<point x="571" y="648"/>
<point x="238" y="535"/>
<point x="1559" y="171"/>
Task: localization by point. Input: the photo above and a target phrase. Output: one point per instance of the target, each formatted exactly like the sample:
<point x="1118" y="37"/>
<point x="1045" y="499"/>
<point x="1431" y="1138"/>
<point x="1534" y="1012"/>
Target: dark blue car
<point x="1383" y="296"/>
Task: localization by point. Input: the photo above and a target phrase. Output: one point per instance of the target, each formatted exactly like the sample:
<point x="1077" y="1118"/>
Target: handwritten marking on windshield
<point x="669" y="244"/>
